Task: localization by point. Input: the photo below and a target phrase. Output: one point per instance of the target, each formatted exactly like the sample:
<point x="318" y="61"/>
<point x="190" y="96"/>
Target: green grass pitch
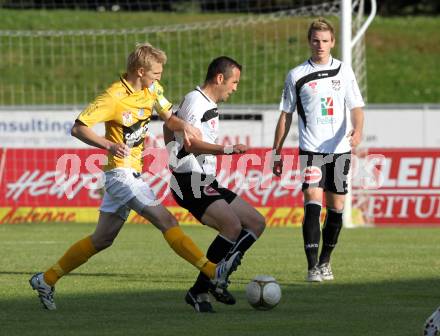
<point x="387" y="283"/>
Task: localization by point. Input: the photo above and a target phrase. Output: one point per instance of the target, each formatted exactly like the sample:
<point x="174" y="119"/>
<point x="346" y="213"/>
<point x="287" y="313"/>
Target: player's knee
<point x="256" y="224"/>
<point x="167" y="221"/>
<point x="336" y="204"/>
<point x="337" y="207"/>
<point x="260" y="225"/>
<point x="163" y="220"/>
<point x="106" y="244"/>
<point x="102" y="242"/>
<point x="230" y="228"/>
<point x="233" y="231"/>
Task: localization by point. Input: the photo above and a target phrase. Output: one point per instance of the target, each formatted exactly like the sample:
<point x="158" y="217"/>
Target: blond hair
<point x="321" y="24"/>
<point x="143" y="56"/>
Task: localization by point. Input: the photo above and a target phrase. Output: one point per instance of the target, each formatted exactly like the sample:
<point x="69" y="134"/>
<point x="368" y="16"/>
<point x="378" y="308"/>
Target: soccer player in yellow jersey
<point x="126" y="108"/>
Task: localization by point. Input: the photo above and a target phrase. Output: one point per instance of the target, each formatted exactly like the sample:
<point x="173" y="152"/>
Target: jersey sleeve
<point x="353" y="94"/>
<point x="100" y="110"/>
<point x="190" y="113"/>
<point x="288" y="97"/>
<point x="161" y="104"/>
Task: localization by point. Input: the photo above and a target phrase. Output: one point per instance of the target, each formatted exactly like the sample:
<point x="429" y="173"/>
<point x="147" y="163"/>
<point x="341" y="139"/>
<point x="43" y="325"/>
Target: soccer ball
<point x="263" y="292"/>
<point x="432" y="324"/>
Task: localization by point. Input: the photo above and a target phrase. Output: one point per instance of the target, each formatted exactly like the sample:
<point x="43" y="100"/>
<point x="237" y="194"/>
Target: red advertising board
<point x="409" y="192"/>
<point x="397" y="186"/>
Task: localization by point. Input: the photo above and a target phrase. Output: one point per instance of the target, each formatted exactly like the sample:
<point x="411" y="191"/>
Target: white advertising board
<point x="385" y="127"/>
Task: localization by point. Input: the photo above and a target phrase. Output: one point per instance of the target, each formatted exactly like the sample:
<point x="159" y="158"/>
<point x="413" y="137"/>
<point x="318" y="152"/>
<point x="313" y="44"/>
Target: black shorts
<point x="325" y="170"/>
<point x="198" y="198"/>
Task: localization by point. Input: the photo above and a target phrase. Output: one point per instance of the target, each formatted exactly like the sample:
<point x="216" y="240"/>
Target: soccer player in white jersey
<point x="326" y="96"/>
<point x="126" y="108"/>
<point x="195" y="187"/>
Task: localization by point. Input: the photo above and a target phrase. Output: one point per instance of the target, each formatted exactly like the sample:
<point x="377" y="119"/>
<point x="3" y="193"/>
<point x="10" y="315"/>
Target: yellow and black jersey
<point x="126" y="114"/>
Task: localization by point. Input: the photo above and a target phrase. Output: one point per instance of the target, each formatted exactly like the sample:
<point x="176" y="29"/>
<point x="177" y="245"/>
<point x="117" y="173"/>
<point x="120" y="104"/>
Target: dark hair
<point x="221" y="65"/>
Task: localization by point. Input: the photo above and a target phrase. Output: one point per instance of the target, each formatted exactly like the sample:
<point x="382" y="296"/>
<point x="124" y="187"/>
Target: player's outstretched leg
<point x="74" y="257"/>
<point x="45" y="292"/>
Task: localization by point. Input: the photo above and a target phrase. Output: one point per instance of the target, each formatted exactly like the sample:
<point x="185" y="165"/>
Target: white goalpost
<point x="349" y="47"/>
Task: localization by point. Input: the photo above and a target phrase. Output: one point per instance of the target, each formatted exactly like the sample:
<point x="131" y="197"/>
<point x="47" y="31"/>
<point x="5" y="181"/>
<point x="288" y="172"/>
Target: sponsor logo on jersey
<point x="326" y="112"/>
<point x="326" y="120"/>
<point x="313" y="85"/>
<point x="127" y="118"/>
<point x="312" y="174"/>
<point x="336" y="84"/>
<point x="327" y="106"/>
<point x="134" y="135"/>
<point x="210" y="191"/>
<point x="141" y="112"/>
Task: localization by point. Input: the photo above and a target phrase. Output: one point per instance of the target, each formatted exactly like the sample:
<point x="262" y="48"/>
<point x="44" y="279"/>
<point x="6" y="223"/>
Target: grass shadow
<point x="385" y="308"/>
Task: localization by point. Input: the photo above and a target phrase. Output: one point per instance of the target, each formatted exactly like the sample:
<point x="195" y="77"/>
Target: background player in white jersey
<point x="326" y="96"/>
<point x="195" y="187"/>
<point x="126" y="108"/>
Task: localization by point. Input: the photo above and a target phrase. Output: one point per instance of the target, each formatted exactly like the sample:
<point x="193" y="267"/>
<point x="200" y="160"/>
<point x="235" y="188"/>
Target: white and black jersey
<point x="200" y="111"/>
<point x="323" y="96"/>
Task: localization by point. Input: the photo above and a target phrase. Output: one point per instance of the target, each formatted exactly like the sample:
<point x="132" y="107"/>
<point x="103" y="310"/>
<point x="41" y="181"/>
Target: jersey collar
<point x="199" y="89"/>
<point x="315" y="65"/>
<point x="125" y="84"/>
<point x="147" y="91"/>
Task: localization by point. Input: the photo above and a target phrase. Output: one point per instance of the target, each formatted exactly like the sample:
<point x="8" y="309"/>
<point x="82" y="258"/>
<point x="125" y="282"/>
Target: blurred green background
<point x="71" y="64"/>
